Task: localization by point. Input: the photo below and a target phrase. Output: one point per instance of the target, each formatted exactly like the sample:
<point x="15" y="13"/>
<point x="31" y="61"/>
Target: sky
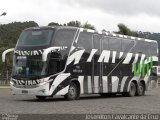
<point x="138" y="15"/>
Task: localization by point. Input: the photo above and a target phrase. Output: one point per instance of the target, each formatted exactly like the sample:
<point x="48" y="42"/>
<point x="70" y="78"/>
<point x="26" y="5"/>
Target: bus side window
<point x="105" y="43"/>
<point x="127" y="45"/>
<point x="85" y="40"/>
<point x="140" y="47"/>
<point x="64" y="37"/>
<point x="153" y="49"/>
<point x="115" y="44"/>
<point x="148" y="49"/>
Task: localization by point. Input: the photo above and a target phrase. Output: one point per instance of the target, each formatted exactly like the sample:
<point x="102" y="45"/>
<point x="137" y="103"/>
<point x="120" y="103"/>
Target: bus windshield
<point x="28" y="67"/>
<point x="35" y="38"/>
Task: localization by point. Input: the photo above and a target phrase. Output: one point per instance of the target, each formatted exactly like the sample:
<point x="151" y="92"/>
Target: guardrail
<point x="5" y="77"/>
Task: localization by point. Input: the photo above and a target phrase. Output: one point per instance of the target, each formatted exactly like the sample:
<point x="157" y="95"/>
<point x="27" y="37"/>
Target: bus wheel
<point x="132" y="90"/>
<point x="72" y="92"/>
<point x="141" y="90"/>
<point x="41" y="97"/>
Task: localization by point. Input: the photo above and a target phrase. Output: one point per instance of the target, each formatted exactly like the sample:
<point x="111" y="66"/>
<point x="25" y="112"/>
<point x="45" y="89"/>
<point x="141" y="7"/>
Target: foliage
<point x="74" y="23"/>
<point x="9" y="34"/>
<point x="124" y="30"/>
<point x="54" y="24"/>
<point x="88" y="26"/>
<point x="79" y="24"/>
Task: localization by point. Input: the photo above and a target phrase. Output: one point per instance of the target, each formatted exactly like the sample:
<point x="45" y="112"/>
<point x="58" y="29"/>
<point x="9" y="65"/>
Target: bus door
<point x="96" y="66"/>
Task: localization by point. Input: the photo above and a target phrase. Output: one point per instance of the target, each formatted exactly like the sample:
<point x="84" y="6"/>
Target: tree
<point x="124" y="30"/>
<point x="54" y="24"/>
<point x="88" y="26"/>
<point x="79" y="24"/>
<point x="74" y="23"/>
<point x="9" y="34"/>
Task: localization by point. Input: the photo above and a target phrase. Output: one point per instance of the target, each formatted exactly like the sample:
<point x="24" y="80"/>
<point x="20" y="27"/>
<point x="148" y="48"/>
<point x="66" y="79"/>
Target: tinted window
<point x="148" y="51"/>
<point x="105" y="43"/>
<point x="114" y="44"/>
<point x="127" y="45"/>
<point x="140" y="47"/>
<point x="35" y="38"/>
<point x="153" y="49"/>
<point x="96" y="41"/>
<point x="85" y="40"/>
<point x="64" y="37"/>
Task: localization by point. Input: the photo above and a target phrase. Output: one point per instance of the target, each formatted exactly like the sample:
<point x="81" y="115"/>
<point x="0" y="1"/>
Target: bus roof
<point x="92" y="31"/>
<point x="118" y="35"/>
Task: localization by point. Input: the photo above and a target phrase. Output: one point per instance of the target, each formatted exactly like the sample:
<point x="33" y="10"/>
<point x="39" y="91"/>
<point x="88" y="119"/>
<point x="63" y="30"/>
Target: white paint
<point x="48" y="50"/>
<point x="123" y="83"/>
<point x="63" y="91"/>
<point x="105" y="84"/>
<point x="142" y="58"/>
<point x="154" y="58"/>
<point x="135" y="61"/>
<point x="81" y="80"/>
<point x="35" y="52"/>
<point x="147" y="40"/>
<point x="113" y="34"/>
<point x="121" y="36"/>
<point x="120" y="54"/>
<point x="72" y="48"/>
<point x="89" y="30"/>
<point x="133" y="38"/>
<point x="114" y="57"/>
<point x="60" y="78"/>
<point x="96" y="82"/>
<point x="75" y="57"/>
<point x="81" y="29"/>
<point x="91" y="55"/>
<point x="125" y="36"/>
<point x="104" y="56"/>
<point x="5" y="52"/>
<point x="128" y="58"/>
<point x="89" y="85"/>
<point x="115" y="81"/>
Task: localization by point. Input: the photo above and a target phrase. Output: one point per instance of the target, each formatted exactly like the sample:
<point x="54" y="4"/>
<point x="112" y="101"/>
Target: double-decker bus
<point x="71" y="61"/>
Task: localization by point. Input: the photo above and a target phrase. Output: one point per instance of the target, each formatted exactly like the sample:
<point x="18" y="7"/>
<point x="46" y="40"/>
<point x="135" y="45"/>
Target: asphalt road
<point x="18" y="104"/>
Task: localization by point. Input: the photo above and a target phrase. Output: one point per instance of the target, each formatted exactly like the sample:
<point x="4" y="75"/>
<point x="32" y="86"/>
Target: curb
<point x="3" y="87"/>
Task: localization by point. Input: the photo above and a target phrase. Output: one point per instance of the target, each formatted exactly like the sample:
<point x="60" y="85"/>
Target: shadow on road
<point x="86" y="97"/>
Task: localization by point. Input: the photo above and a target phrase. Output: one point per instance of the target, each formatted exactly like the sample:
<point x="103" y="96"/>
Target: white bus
<point x="70" y="61"/>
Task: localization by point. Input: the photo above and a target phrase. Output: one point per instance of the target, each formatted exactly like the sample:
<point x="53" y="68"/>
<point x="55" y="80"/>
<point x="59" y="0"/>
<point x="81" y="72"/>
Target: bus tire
<point x="72" y="92"/>
<point x="41" y="97"/>
<point x="132" y="90"/>
<point x="141" y="90"/>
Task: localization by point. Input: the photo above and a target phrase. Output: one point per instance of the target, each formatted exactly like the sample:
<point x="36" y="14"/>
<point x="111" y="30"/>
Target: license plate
<point x="25" y="91"/>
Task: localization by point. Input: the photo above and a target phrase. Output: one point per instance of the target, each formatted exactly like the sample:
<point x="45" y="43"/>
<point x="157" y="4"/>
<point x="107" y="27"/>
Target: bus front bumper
<point x="41" y="90"/>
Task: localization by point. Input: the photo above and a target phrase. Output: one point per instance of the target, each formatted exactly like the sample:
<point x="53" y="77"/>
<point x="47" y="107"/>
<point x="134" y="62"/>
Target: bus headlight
<point x="11" y="82"/>
<point x="42" y="81"/>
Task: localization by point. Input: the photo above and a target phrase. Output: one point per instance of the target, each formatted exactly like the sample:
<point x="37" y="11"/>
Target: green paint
<point x="143" y="69"/>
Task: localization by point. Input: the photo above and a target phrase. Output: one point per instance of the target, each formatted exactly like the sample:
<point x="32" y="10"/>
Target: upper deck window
<point x="64" y="37"/>
<point x="35" y="38"/>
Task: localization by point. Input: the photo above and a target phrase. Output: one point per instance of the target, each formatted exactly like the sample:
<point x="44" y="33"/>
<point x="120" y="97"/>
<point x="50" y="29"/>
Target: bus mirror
<point x="5" y="52"/>
<point x="158" y="70"/>
<point x="155" y="70"/>
<point x="48" y="50"/>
